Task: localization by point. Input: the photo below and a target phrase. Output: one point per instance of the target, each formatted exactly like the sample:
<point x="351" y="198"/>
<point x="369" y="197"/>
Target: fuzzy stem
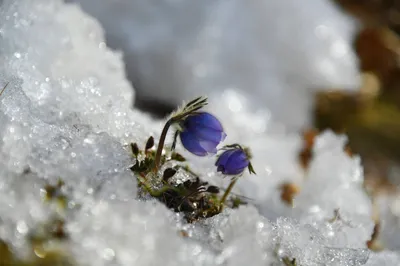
<point x="160" y="147"/>
<point x="164" y="132"/>
<point x="227" y="191"/>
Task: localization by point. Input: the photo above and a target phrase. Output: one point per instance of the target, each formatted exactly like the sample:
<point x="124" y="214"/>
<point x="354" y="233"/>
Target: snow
<point x="67" y="114"/>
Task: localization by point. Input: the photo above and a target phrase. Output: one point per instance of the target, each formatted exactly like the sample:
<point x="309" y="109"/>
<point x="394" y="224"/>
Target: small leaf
<point x="177" y="157"/>
<point x="201" y="103"/>
<point x="149" y="143"/>
<point x="251" y="169"/>
<point x="232" y="146"/>
<point x="213" y="189"/>
<point x="237" y="202"/>
<point x="135" y="149"/>
<point x="142" y="166"/>
<point x="193" y="101"/>
<point x="198" y="102"/>
<point x="134" y="167"/>
<point x="194" y="109"/>
<point x="168" y="173"/>
<point x="195" y="105"/>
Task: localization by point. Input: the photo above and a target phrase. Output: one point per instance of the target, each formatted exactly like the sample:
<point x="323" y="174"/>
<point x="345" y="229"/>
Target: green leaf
<point x="192" y="102"/>
<point x="188" y="109"/>
<point x="251" y="169"/>
<point x="237" y="202"/>
<point x="196" y="104"/>
<point x="177" y="157"/>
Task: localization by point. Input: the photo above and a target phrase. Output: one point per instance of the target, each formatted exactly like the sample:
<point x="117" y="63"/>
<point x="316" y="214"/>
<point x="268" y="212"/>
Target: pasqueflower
<point x="201" y="133"/>
<point x="234" y="160"/>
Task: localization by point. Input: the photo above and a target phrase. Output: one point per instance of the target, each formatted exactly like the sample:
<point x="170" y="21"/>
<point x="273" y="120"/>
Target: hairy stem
<point x="164" y="132"/>
<point x="227" y="191"/>
<point x="160" y="147"/>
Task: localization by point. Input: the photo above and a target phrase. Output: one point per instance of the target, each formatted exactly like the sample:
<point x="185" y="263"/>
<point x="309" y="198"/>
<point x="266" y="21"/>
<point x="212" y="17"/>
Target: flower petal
<point x="209" y="134"/>
<point x="191" y="143"/>
<point x="223" y="158"/>
<point x="233" y="171"/>
<point x="206" y="120"/>
<point x="237" y="162"/>
<point x="209" y="146"/>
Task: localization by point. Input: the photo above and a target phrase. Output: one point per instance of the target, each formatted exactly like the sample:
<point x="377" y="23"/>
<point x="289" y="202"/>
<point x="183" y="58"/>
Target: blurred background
<point x="357" y="96"/>
<point x="371" y="118"/>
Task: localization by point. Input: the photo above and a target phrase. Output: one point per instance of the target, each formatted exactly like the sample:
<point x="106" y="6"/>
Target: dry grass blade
<point x="4" y="88"/>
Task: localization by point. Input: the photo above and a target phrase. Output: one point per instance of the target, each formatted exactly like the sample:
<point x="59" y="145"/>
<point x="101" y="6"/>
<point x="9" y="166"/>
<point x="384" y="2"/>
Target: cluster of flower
<point x="200" y="133"/>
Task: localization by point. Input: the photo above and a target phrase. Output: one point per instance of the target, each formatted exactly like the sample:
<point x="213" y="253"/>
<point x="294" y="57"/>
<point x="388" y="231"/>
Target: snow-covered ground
<point x="67" y="113"/>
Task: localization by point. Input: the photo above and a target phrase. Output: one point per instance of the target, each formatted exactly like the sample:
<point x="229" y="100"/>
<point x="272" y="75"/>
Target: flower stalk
<point x="227" y="192"/>
<point x="200" y="133"/>
<point x="160" y="147"/>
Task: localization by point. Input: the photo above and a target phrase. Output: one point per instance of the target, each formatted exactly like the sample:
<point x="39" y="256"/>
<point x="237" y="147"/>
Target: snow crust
<point x="66" y="113"/>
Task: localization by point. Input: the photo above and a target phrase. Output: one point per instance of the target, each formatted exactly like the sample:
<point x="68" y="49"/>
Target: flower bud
<point x="233" y="161"/>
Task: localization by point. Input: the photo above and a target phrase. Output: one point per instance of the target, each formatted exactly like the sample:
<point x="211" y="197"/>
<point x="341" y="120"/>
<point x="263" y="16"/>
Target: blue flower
<point x="201" y="133"/>
<point x="233" y="161"/>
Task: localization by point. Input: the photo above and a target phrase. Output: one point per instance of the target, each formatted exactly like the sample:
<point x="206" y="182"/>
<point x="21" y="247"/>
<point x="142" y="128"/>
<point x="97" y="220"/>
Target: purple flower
<point x="233" y="161"/>
<point x="201" y="133"/>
